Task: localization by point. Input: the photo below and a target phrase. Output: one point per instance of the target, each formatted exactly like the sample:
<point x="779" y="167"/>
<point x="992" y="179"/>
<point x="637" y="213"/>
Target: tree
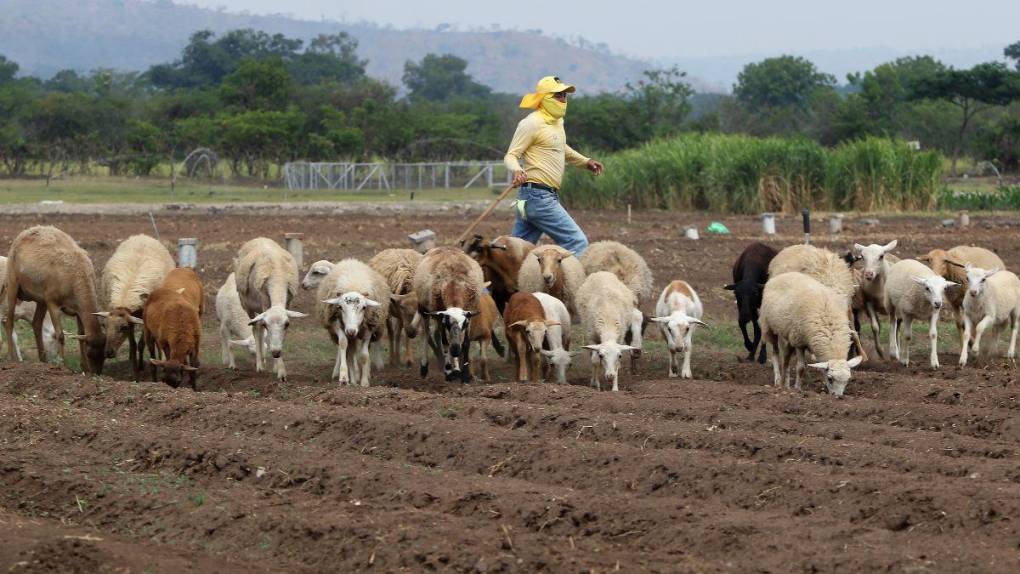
<point x="1013" y="53"/>
<point x="8" y="70"/>
<point x="786" y="81"/>
<point x="329" y="58"/>
<point x="206" y="62"/>
<point x="661" y="100"/>
<point x="972" y="91"/>
<point x="441" y="78"/>
<point x="258" y="85"/>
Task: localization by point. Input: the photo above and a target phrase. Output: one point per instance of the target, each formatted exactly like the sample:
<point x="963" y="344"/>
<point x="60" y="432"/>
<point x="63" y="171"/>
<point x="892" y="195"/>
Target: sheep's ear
<point x="591" y="347"/>
<point x="629" y="348"/>
<point x="951" y="284"/>
<point x="157" y="362"/>
<point x="470" y="314"/>
<point x="857" y="248"/>
<point x="333" y="301"/>
<point x="659" y="319"/>
<point x="498" y="246"/>
<point x="552" y="323"/>
<point x="547" y="353"/>
<point x="991" y="272"/>
<point x="890" y="246"/>
<point x="74" y="336"/>
<point x="396" y="298"/>
<point x="855" y="361"/>
<point x="103" y="314"/>
<point x="371" y="303"/>
<point x="299" y="314"/>
<point x="924" y="258"/>
<point x="966" y="267"/>
<point x="189" y="368"/>
<point x="730" y="287"/>
<point x="144" y="296"/>
<point x="919" y="280"/>
<point x="700" y="322"/>
<point x="257" y="319"/>
<point x="180" y="291"/>
<point x="486" y="285"/>
<point x="517" y="324"/>
<point x="823" y="366"/>
<point x="135" y="320"/>
<point x="241" y="343"/>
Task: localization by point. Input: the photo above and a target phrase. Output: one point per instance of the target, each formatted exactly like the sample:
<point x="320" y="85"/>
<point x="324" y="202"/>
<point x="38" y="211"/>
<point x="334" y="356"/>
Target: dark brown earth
<point x="913" y="471"/>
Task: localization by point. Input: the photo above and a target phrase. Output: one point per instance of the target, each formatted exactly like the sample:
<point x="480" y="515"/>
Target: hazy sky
<point x="682" y="29"/>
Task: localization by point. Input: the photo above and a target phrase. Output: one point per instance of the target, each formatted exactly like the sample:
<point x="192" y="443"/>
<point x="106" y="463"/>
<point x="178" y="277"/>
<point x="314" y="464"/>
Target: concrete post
<point x="295" y="246"/>
<point x="422" y="241"/>
<point x="187" y="252"/>
<point x="964" y="218"/>
<point x="691" y="232"/>
<point x="836" y="223"/>
<point x="768" y="223"/>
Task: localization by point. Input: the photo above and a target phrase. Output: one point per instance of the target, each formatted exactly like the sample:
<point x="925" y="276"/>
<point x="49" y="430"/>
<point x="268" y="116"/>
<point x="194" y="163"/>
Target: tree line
<point x="259" y="100"/>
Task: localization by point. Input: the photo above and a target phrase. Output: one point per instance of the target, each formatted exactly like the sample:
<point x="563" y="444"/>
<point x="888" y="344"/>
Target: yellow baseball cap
<point x="547" y="85"/>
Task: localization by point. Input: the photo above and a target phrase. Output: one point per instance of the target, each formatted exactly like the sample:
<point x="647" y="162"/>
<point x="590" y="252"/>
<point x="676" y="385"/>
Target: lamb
<point x="678" y="311"/>
<point x="139" y="265"/>
<point x="633" y="271"/>
<point x="952" y="264"/>
<point x="870" y="280"/>
<point x="353" y="311"/>
<point x="553" y="270"/>
<point x="526" y="326"/>
<point x="173" y="327"/>
<point x="606" y="307"/>
<point x="482" y="330"/>
<point x="267" y="280"/>
<point x="397" y="266"/>
<point x="448" y="284"/>
<point x="46" y="266"/>
<point x="501" y="261"/>
<point x="316" y="273"/>
<point x="234" y="327"/>
<point x="913" y="291"/>
<point x="25" y="311"/>
<point x="750" y="273"/>
<point x="556" y="351"/>
<point x="824" y="266"/>
<point x="798" y="314"/>
<point x="992" y="300"/>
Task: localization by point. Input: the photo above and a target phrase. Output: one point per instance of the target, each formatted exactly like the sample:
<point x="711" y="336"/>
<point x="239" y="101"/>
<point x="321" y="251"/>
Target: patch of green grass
<point x="131" y="190"/>
<point x="197" y="498"/>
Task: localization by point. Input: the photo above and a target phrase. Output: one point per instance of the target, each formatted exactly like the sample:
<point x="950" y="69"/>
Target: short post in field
<point x="806" y="217"/>
<point x="964" y="218"/>
<point x="691" y="232"/>
<point x="768" y="223"/>
<point x="422" y="241"/>
<point x="295" y="246"/>
<point x="836" y="223"/>
<point x="187" y="252"/>
<point x="628" y="214"/>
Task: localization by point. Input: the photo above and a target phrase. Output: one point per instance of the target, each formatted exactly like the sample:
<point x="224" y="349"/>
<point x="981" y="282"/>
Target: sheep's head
<point x="455" y="323"/>
<point x="560" y="359"/>
<point x="837" y="373"/>
<point x="976" y="279"/>
<point x="936" y="259"/>
<point x="748" y="294"/>
<point x="248" y="344"/>
<point x="119" y="324"/>
<point x="316" y="273"/>
<point x="873" y="257"/>
<point x="534" y="331"/>
<point x="95" y="351"/>
<point x="608" y="356"/>
<point x="276" y="321"/>
<point x="550" y="262"/>
<point x="406" y="307"/>
<point x="934" y="289"/>
<point x="675" y="328"/>
<point x="352" y="310"/>
<point x="173" y="371"/>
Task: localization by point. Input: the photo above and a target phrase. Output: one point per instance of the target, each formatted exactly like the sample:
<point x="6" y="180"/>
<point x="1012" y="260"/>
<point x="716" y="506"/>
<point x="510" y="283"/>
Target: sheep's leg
<point x="132" y="349"/>
<point x="193" y="375"/>
<point x="259" y="349"/>
<point x="855" y="337"/>
<point x="800" y="368"/>
<point x="1014" y="322"/>
<point x="226" y="354"/>
<point x="365" y="360"/>
<point x="12" y="302"/>
<point x="686" y="371"/>
<point x="980" y="330"/>
<point x="876" y="328"/>
<point x="776" y="366"/>
<point x="522" y="356"/>
<point x="54" y="310"/>
<point x="408" y="349"/>
<point x="340" y="366"/>
<point x="17" y="348"/>
<point x="966" y="337"/>
<point x="596" y="376"/>
<point x="748" y="344"/>
<point x="484" y="361"/>
<point x="908" y="337"/>
<point x="894" y="334"/>
<point x="393" y="338"/>
<point x="281" y="370"/>
<point x="758" y="344"/>
<point x="933" y="338"/>
<point x="426" y="342"/>
<point x="788" y="352"/>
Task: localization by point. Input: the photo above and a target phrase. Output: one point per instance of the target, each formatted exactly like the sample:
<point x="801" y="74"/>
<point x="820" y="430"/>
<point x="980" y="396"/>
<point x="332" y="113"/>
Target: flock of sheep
<point x="802" y="300"/>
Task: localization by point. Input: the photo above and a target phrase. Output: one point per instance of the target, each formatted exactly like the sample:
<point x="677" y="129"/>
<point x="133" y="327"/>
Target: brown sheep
<point x="951" y="265"/>
<point x="173" y="328"/>
<point x="526" y="326"/>
<point x="397" y="266"/>
<point x="46" y="266"/>
<point x="553" y="270"/>
<point x="501" y="261"/>
<point x="482" y="330"/>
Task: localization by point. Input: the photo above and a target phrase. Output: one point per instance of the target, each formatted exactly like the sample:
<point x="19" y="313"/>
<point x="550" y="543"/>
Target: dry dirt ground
<point x="913" y="471"/>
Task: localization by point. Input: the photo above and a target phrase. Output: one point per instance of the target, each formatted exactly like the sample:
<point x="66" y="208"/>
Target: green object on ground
<point x="716" y="227"/>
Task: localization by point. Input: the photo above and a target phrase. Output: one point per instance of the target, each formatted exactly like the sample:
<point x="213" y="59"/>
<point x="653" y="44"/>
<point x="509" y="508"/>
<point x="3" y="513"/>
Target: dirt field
<point x="913" y="471"/>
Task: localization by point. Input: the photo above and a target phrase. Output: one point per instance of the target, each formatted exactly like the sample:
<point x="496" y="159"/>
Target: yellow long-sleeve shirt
<point x="544" y="149"/>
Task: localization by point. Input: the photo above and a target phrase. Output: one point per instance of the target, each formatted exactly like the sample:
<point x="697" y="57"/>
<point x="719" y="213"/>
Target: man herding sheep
<point x="542" y="143"/>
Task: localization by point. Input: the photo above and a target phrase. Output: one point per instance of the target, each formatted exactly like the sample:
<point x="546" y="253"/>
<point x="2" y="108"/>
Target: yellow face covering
<point x="552" y="109"/>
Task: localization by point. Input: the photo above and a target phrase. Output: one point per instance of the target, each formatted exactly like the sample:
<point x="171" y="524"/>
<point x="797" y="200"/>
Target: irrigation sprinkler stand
<point x="295" y="246"/>
<point x="422" y="241"/>
<point x="836" y="223"/>
<point x="806" y="216"/>
<point x="768" y="223"/>
<point x="187" y="252"/>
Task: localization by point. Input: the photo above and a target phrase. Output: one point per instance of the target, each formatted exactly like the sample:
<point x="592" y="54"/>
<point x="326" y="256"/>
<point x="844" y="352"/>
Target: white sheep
<point x="952" y="265"/>
<point x="678" y="312"/>
<point x="913" y="291"/>
<point x="825" y="267"/>
<point x="553" y="270"/>
<point x="799" y="314"/>
<point x="557" y="337"/>
<point x="136" y="268"/>
<point x="992" y="300"/>
<point x="316" y="273"/>
<point x="267" y="280"/>
<point x="397" y="267"/>
<point x="876" y="260"/>
<point x="234" y="327"/>
<point x="351" y="307"/>
<point x="606" y="307"/>
<point x="622" y="261"/>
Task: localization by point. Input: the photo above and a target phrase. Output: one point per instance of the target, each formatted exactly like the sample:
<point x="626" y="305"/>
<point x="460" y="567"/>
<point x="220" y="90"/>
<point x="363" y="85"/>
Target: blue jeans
<point x="544" y="214"/>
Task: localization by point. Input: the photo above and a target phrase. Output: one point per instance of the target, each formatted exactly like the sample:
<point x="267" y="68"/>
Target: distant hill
<point x="45" y="36"/>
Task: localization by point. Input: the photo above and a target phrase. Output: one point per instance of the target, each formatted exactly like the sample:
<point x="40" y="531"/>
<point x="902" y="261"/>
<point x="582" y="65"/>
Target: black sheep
<point x="750" y="273"/>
